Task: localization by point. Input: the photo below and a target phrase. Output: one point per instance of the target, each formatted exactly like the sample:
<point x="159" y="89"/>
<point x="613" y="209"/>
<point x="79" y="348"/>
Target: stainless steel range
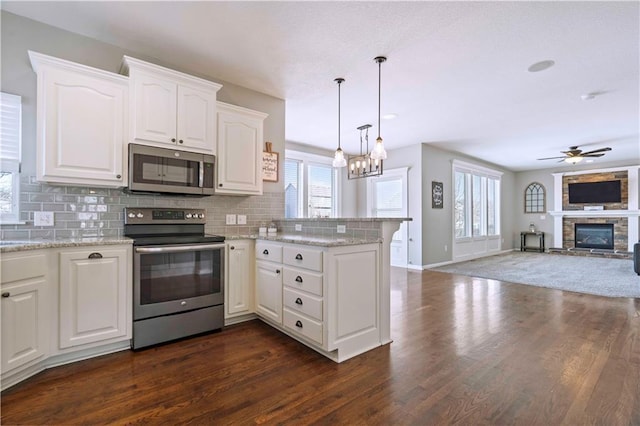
<point x="178" y="274"/>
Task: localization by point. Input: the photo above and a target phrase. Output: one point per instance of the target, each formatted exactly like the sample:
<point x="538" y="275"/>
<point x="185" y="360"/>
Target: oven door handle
<point x="175" y="249"/>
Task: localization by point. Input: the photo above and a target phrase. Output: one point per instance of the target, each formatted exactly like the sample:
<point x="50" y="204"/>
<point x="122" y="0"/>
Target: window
<point x="534" y="198"/>
<point x="10" y="146"/>
<point x="310" y="186"/>
<point x="477" y="201"/>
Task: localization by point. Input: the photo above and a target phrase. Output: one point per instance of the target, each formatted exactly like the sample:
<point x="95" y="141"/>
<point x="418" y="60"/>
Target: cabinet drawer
<point x="302" y="258"/>
<point x="268" y="251"/>
<point x="303" y="280"/>
<point x="303" y="326"/>
<point x="303" y="303"/>
<point x="22" y="267"/>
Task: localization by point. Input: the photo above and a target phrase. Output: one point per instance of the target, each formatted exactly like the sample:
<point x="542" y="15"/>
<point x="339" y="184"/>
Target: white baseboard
<point x="449" y="262"/>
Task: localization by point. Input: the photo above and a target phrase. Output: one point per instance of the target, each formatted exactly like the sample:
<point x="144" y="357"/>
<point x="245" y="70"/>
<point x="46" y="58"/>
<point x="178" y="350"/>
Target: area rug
<point x="590" y="275"/>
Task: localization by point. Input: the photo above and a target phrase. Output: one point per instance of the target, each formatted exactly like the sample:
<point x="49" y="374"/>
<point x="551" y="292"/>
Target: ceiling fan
<point x="575" y="155"/>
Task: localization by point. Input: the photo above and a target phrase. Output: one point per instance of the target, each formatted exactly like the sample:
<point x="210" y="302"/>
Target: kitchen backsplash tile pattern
<point x="82" y="212"/>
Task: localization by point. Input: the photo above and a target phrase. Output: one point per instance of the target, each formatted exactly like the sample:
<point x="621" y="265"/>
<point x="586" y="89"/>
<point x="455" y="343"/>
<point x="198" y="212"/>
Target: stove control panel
<point x="150" y="215"/>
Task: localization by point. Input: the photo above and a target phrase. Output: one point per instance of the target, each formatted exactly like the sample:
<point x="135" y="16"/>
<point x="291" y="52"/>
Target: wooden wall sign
<point x="269" y="164"/>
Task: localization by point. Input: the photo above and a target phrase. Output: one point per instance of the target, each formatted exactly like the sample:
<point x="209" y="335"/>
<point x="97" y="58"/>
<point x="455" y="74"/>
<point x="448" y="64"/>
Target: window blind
<point x="10" y="128"/>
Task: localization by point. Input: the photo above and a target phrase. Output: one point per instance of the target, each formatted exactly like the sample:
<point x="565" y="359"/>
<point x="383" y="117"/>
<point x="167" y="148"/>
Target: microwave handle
<point x="201" y="175"/>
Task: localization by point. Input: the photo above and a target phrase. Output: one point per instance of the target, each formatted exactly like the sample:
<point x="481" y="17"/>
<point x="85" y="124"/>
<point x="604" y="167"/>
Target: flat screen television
<point x="595" y="192"/>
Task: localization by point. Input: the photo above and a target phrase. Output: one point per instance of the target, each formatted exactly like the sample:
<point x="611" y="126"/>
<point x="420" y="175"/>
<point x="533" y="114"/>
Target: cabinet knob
<point x="298" y="279"/>
<point x="277" y="271"/>
<point x="6" y="294"/>
<point x="299" y="324"/>
<point x="95" y="256"/>
<point x="220" y="185"/>
<point x="265" y="252"/>
<point x="183" y="303"/>
<point x="118" y="176"/>
<point x="298" y="256"/>
<point x="232" y="248"/>
<point x="298" y="301"/>
<point x="173" y="140"/>
<point x="180" y="141"/>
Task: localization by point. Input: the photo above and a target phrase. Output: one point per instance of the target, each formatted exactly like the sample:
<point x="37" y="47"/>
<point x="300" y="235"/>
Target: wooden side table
<point x="523" y="241"/>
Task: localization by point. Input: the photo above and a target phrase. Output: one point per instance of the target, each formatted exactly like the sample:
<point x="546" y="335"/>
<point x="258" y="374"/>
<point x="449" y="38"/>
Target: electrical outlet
<point x="231" y="219"/>
<point x="43" y="218"/>
<point x="242" y="219"/>
<point x="341" y="229"/>
<point x="298" y="227"/>
<point x="446" y="247"/>
<point x="543" y="217"/>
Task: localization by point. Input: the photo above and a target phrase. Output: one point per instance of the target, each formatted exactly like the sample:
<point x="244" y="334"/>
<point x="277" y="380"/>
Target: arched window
<point x="534" y="198"/>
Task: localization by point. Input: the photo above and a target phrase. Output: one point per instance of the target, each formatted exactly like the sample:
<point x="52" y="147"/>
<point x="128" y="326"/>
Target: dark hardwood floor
<point x="465" y="351"/>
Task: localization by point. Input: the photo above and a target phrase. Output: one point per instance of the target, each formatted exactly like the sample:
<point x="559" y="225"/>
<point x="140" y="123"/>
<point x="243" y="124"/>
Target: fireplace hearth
<point x="594" y="235"/>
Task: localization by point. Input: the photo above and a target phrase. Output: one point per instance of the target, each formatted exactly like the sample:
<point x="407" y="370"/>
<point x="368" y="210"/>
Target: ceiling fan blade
<point x="550" y="158"/>
<point x="597" y="150"/>
<point x="592" y="155"/>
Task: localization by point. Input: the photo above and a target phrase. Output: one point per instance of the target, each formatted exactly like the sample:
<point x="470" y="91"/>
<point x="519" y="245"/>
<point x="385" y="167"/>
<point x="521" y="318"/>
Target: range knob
<point x="188" y="215"/>
<point x="201" y="215"/>
<point x="131" y="215"/>
<point x="140" y="215"/>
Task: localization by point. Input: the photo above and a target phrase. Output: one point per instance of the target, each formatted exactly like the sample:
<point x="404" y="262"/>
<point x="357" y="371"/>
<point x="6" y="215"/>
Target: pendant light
<point x="338" y="158"/>
<point x="378" y="152"/>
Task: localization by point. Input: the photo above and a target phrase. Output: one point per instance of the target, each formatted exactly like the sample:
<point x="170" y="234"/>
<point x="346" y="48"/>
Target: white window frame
<point x="11" y="151"/>
<point x="305" y="160"/>
<point x="476" y="245"/>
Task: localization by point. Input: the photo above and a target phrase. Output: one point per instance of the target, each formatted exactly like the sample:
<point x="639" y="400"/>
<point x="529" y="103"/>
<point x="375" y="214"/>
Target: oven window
<point x="176" y="276"/>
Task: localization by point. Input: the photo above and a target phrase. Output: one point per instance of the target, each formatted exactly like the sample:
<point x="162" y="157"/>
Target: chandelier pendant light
<point x="363" y="165"/>
<point x="338" y="158"/>
<point x="379" y="153"/>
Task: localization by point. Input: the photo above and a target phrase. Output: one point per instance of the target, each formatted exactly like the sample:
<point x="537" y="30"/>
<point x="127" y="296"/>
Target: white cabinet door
<point x="196" y="118"/>
<point x="154" y="109"/>
<point x="81" y="124"/>
<point x="269" y="291"/>
<point x="95" y="295"/>
<point x="240" y="138"/>
<point x="239" y="282"/>
<point x="24" y="309"/>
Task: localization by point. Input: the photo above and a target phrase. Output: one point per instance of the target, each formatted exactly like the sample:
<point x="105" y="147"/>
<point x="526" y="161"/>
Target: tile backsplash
<point x="82" y="212"/>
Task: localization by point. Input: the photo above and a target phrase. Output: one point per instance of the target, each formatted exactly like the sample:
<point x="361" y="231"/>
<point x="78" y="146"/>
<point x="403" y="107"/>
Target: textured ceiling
<point x="456" y="73"/>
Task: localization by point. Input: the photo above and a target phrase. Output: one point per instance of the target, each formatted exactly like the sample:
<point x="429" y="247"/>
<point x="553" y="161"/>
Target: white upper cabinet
<point x="240" y="139"/>
<point x="171" y="109"/>
<point x="82" y="116"/>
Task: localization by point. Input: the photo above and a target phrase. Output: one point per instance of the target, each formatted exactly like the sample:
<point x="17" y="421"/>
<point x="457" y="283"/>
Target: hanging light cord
<point x="380" y="60"/>
<point x="339" y="83"/>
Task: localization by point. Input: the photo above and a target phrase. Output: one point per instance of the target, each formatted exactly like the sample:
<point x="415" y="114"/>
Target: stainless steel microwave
<point x="170" y="171"/>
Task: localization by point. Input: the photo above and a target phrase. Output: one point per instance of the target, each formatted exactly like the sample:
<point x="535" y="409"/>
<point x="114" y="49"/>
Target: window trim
<point x="306" y="158"/>
<point x="12" y="165"/>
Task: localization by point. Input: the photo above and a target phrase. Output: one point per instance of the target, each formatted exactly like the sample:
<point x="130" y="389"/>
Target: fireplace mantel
<point x="633" y="212"/>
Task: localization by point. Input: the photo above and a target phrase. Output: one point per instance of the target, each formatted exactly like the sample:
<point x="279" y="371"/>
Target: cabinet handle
<point x="180" y="141"/>
<point x="298" y="301"/>
<point x="299" y="324"/>
<point x="7" y="294"/>
<point x="298" y="279"/>
<point x="95" y="256"/>
<point x="173" y="140"/>
<point x="118" y="176"/>
<point x="298" y="256"/>
<point x="232" y="248"/>
<point x="265" y="252"/>
<point x="277" y="271"/>
<point x="220" y="185"/>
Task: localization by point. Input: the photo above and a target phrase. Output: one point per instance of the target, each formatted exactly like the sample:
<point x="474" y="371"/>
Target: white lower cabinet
<point x="95" y="295"/>
<point x="239" y="292"/>
<point x="25" y="310"/>
<point x="326" y="297"/>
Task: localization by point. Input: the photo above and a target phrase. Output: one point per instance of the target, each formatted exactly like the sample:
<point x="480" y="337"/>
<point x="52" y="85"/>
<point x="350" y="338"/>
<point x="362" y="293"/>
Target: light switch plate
<point x="341" y="229"/>
<point x="242" y="219"/>
<point x="231" y="219"/>
<point x="43" y="218"/>
<point x="298" y="227"/>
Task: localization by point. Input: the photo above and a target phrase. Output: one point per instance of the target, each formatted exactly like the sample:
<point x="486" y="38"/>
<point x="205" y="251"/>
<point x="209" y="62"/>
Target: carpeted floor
<point x="591" y="275"/>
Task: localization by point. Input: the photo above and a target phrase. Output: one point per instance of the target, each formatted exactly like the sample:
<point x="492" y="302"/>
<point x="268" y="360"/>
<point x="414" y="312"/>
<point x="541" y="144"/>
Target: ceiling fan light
<point x="573" y="160"/>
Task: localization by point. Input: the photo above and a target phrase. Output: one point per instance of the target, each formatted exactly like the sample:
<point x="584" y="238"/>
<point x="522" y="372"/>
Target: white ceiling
<point x="456" y="73"/>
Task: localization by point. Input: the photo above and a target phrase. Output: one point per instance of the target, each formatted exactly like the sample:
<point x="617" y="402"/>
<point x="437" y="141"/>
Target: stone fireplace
<point x="623" y="218"/>
<point x="594" y="235"/>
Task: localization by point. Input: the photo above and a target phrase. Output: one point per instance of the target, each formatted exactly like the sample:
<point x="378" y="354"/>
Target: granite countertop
<point x="22" y="245"/>
<point x="310" y="240"/>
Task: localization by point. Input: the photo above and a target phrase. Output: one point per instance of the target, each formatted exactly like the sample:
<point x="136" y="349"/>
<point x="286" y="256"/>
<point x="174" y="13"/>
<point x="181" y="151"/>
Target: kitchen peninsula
<point x="329" y="290"/>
